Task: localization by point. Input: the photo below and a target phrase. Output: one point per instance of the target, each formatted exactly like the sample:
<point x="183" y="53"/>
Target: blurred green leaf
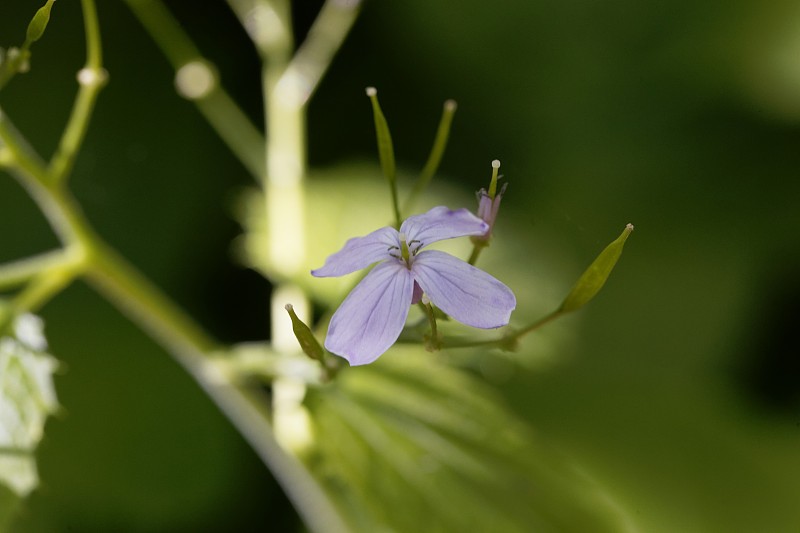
<point x="593" y="279"/>
<point x="411" y="444"/>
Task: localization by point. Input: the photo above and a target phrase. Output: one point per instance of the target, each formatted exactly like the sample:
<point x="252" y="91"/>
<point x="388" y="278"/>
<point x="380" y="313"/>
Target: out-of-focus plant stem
<point x="91" y="80"/>
<point x="140" y="300"/>
<point x="221" y="111"/>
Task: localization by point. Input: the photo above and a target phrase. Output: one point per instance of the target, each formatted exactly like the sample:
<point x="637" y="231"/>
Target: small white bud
<point x="372" y="91"/>
<point x="496" y="163"/>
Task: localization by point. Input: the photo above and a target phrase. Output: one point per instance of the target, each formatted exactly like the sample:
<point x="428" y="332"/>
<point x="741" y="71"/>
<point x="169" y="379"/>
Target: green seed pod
<point x="308" y="342"/>
<point x="593" y="279"/>
<point x="39" y="23"/>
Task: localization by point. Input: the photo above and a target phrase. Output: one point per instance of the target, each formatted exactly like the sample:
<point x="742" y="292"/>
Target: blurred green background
<point x="677" y="389"/>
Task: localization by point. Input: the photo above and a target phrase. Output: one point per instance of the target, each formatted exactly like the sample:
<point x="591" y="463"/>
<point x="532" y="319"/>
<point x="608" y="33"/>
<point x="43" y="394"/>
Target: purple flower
<point x="372" y="316"/>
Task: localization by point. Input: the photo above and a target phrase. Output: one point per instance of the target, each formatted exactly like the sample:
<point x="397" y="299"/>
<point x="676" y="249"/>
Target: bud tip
<point x="629" y="227"/>
<point x="288" y="307"/>
<point x="496" y="163"/>
<point x="372" y="91"/>
<point x="450" y="105"/>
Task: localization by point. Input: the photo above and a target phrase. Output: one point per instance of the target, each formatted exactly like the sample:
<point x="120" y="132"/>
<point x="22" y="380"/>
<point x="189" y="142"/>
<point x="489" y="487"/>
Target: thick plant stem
<point x="165" y="323"/>
<point x="21" y="271"/>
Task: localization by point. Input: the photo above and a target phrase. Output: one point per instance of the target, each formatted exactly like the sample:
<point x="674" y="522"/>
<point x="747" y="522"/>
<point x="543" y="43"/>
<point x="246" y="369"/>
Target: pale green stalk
<point x="435" y="156"/>
<point x="21" y="271"/>
<point x="287" y="82"/>
<point x="91" y="80"/>
<point x="225" y="116"/>
<point x="506" y="342"/>
<point x="324" y="39"/>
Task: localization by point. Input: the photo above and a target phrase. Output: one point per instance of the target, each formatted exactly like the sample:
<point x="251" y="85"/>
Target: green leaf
<point x="27" y="398"/>
<point x="593" y="279"/>
<point x="38" y="23"/>
<point x="410" y="444"/>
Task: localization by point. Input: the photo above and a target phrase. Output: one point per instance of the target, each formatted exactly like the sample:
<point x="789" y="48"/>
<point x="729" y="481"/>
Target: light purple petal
<point x="464" y="292"/>
<point x="441" y="223"/>
<point x="359" y="252"/>
<point x="372" y="316"/>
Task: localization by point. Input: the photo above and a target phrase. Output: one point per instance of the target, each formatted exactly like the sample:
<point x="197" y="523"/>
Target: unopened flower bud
<point x="489" y="203"/>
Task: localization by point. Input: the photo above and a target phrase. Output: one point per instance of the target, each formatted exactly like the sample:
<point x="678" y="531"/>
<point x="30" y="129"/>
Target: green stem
<point x="315" y="54"/>
<point x="91" y="78"/>
<point x="145" y="305"/>
<point x="18" y="152"/>
<point x="18" y="272"/>
<point x="477" y="248"/>
<point x="508" y="341"/>
<point x="234" y="128"/>
<point x="435" y="157"/>
<point x="45" y="275"/>
<point x="216" y="105"/>
<point x="43" y="288"/>
<point x="518" y="334"/>
<point x="434" y="343"/>
<point x="269" y="25"/>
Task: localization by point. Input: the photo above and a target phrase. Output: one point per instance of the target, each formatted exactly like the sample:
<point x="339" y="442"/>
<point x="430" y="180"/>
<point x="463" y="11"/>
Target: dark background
<point x="678" y="388"/>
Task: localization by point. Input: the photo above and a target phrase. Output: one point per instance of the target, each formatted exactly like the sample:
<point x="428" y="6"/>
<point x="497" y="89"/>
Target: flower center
<point x="405" y="255"/>
<point x="408" y="249"/>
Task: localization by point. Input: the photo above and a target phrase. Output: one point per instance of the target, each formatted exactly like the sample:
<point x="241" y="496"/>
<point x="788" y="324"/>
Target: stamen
<point x="404" y="248"/>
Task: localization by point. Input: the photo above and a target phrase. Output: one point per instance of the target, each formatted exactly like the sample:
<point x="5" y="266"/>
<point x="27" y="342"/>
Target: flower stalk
<point x="435" y="156"/>
<point x="488" y="207"/>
